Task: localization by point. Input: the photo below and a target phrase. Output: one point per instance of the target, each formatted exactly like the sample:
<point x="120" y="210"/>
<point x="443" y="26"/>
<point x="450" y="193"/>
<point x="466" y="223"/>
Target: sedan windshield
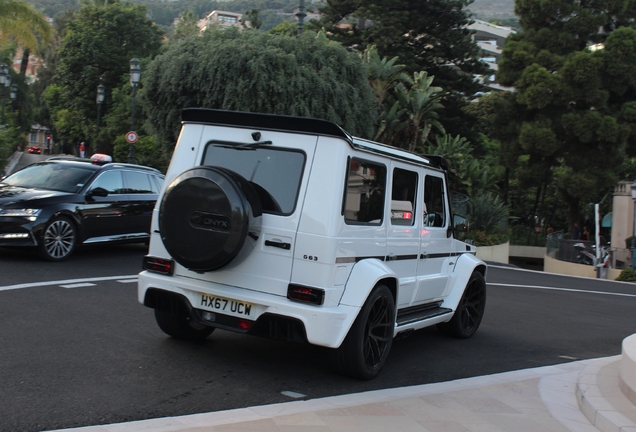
<point x="52" y="176"/>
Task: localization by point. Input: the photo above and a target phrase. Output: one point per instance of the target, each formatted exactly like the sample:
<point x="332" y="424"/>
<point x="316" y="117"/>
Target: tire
<point x="470" y="309"/>
<point x="59" y="239"/>
<point x="368" y="343"/>
<point x="181" y="326"/>
<point x="209" y="217"/>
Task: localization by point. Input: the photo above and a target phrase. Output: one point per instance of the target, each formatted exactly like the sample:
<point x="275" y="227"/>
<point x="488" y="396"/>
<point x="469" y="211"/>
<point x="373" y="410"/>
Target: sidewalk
<point x="581" y="396"/>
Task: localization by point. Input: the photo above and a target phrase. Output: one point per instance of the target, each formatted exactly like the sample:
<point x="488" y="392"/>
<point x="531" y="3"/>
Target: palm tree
<point x="421" y="102"/>
<point x="383" y="73"/>
<point x="21" y="24"/>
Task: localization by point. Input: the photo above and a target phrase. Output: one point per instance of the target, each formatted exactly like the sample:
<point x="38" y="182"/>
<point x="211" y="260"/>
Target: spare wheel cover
<point x="208" y="216"/>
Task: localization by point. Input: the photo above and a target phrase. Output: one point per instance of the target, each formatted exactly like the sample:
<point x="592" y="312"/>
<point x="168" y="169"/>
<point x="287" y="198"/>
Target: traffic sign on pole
<point x="131" y="137"/>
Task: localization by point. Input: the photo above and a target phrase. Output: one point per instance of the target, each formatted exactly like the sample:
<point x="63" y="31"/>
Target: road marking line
<point x="561" y="289"/>
<point x="127" y="280"/>
<point x="64" y="282"/>
<point x="78" y="285"/>
<point x="293" y="394"/>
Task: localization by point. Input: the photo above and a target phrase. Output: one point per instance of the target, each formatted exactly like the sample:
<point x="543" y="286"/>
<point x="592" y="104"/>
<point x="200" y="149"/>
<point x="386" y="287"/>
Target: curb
<point x="601" y="400"/>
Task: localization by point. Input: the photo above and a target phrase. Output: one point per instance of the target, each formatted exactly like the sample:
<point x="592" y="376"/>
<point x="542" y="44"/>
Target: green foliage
<point x="487" y="213"/>
<point x="627" y="275"/>
<point x="97" y="48"/>
<point x="186" y="27"/>
<point x="482" y="238"/>
<point x="286" y="28"/>
<point x="146" y="152"/>
<point x="488" y="217"/>
<point x="425" y="36"/>
<point x="11" y="140"/>
<point x="572" y="116"/>
<point x="258" y="72"/>
<point x="410" y="113"/>
<point x="23" y="25"/>
<point x="467" y="174"/>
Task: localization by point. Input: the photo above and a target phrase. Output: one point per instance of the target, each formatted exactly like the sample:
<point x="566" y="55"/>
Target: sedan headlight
<point x="30" y="214"/>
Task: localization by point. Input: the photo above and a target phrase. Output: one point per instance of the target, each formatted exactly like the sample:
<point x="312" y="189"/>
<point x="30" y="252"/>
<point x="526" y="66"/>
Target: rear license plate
<point x="224" y="305"/>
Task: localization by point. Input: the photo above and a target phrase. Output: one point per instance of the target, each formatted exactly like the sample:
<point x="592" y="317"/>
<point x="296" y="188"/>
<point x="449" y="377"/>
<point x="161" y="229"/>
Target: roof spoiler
<point x="264" y="121"/>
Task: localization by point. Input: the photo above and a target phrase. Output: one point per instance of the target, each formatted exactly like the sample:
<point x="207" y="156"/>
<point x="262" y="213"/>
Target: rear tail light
<point x="245" y="324"/>
<point x="158" y="265"/>
<point x="306" y="294"/>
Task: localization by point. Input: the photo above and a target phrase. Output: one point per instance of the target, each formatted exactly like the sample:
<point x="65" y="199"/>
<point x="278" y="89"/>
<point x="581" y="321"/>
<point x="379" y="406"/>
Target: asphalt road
<point x="78" y="349"/>
<point x="78" y="352"/>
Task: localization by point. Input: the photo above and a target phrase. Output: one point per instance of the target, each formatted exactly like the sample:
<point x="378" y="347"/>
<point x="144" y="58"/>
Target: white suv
<point x="289" y="228"/>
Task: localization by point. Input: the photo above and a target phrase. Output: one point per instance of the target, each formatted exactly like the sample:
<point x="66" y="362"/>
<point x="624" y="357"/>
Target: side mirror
<point x="460" y="223"/>
<point x="98" y="191"/>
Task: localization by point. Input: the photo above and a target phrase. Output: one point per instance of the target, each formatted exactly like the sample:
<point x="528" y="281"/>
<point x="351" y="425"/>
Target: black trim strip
<point x="345" y="260"/>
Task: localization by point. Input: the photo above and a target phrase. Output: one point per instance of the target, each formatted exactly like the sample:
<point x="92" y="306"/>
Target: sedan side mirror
<point x="98" y="191"/>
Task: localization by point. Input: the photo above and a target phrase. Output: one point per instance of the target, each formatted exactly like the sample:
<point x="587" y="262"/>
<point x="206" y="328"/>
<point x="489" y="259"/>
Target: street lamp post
<point x="4" y="72"/>
<point x="633" y="249"/>
<point x="301" y="16"/>
<point x="13" y="94"/>
<point x="101" y="94"/>
<point x="135" y="76"/>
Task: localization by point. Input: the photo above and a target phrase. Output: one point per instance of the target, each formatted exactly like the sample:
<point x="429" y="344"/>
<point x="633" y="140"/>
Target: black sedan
<point x="57" y="204"/>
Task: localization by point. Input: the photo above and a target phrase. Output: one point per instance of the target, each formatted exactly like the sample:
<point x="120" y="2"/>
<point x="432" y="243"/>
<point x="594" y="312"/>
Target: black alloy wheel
<point x="470" y="310"/>
<point x="366" y="348"/>
<point x="59" y="239"/>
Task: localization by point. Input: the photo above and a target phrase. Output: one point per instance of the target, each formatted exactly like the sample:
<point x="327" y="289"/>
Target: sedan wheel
<point x="59" y="240"/>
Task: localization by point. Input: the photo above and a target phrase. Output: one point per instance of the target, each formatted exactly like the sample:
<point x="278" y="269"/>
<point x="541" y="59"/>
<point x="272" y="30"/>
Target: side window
<point x="403" y="195"/>
<point x="112" y="181"/>
<point x="366" y="185"/>
<point x="434" y="208"/>
<point x="137" y="183"/>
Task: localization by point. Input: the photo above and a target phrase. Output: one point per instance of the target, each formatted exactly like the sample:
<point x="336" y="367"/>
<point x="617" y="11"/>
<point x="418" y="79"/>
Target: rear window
<point x="275" y="173"/>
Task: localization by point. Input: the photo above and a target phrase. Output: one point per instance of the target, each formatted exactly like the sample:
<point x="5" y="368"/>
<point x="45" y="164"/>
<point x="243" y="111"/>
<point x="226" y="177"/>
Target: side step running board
<point x="420" y="313"/>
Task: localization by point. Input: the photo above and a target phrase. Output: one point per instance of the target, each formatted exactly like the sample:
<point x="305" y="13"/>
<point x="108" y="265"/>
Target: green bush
<point x="487" y="215"/>
<point x="627" y="275"/>
<point x="481" y="238"/>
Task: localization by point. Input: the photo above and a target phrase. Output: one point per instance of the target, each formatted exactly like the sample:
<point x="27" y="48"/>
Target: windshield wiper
<point x="246" y="146"/>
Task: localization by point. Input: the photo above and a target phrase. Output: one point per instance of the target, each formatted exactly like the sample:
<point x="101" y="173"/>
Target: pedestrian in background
<point x="82" y="149"/>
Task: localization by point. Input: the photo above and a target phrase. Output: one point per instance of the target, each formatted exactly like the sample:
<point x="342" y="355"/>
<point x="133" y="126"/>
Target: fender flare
<point x="364" y="276"/>
<point x="466" y="264"/>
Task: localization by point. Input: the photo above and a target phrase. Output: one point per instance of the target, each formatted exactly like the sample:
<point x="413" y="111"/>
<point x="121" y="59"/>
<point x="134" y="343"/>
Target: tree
<point x="426" y="36"/>
<point x="574" y="105"/>
<point x="258" y="72"/>
<point x="97" y="48"/>
<point x="185" y="27"/>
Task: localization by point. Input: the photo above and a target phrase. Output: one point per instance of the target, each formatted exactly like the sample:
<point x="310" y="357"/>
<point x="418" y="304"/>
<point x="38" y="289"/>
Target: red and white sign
<point x="131" y="137"/>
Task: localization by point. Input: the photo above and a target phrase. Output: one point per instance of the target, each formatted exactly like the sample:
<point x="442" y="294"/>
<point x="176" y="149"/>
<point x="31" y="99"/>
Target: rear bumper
<point x="273" y="316"/>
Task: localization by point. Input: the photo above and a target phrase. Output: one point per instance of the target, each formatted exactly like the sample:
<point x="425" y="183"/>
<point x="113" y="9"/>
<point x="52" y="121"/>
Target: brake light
<point x="306" y="294"/>
<point x="158" y="265"/>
